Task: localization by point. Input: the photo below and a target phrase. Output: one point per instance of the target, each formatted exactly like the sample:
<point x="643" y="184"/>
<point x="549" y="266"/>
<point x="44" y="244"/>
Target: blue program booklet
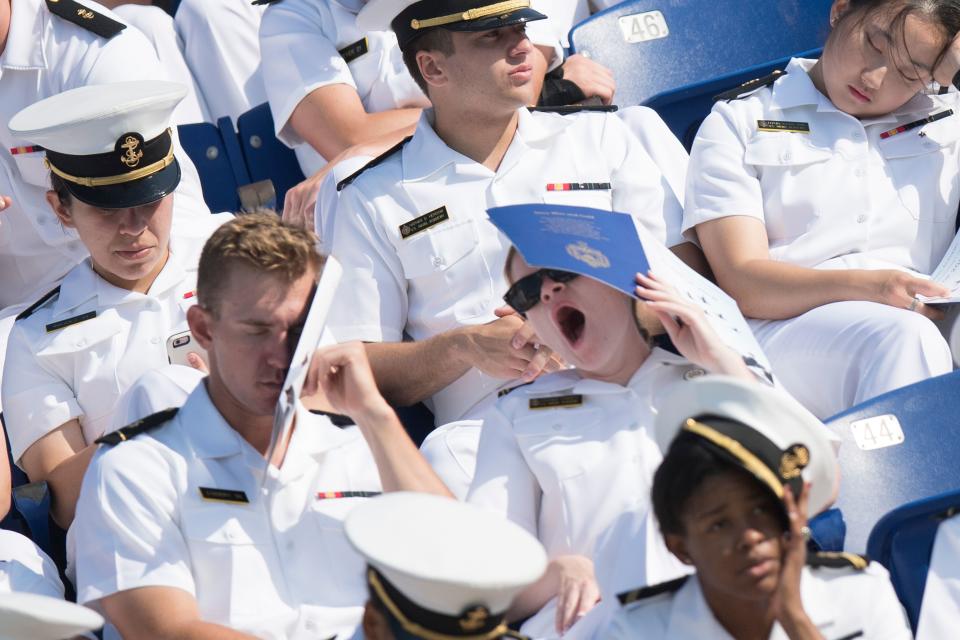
<point x="611" y="247"/>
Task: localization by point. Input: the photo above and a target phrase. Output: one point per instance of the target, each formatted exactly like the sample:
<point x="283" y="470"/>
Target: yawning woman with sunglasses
<point x="570" y="453"/>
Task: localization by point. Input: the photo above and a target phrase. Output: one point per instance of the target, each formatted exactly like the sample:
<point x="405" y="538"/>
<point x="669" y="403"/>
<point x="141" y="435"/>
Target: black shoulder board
<point x="576" y="108"/>
<point x="748" y="87"/>
<point x="370" y="165"/>
<point x="643" y="593"/>
<point x="140" y="426"/>
<point x="337" y="419"/>
<point x="837" y="560"/>
<point x="26" y="313"/>
<point x="509" y="390"/>
<point x="85" y="17"/>
<point x="260" y="2"/>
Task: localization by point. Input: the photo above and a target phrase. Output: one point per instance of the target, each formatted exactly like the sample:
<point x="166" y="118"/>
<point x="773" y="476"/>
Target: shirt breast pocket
<point x="443" y="265"/>
<point x="341" y="558"/>
<point x="91" y="351"/>
<point x="32" y="168"/>
<point x="924" y="172"/>
<point x="792" y="174"/>
<point x="560" y="443"/>
<point x="230" y="550"/>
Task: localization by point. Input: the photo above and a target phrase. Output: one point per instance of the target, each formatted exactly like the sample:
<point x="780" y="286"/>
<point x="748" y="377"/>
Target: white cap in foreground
<point x="26" y="616"/>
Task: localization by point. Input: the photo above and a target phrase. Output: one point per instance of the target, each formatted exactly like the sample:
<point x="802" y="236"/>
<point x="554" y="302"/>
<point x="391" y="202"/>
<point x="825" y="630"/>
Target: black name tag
<point x="783" y="125"/>
<point x="557" y="402"/>
<point x="56" y="326"/>
<point x="355" y="50"/>
<point x="224" y="495"/>
<point x="424" y="222"/>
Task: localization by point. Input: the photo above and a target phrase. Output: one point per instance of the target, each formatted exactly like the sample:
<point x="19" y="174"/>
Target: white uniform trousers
<point x="841" y="354"/>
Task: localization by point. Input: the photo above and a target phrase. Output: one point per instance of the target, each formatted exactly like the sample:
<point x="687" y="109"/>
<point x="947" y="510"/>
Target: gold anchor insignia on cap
<point x="793" y="461"/>
<point x="474" y="618"/>
<point x="86" y="14"/>
<point x="131" y="156"/>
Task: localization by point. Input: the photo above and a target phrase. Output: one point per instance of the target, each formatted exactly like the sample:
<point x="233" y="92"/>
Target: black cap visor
<point x="135" y="193"/>
<point x="496" y="22"/>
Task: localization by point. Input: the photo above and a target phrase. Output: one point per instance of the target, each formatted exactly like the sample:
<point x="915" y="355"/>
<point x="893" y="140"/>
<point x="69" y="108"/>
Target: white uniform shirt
<point x="221" y="47"/>
<point x="941" y="594"/>
<point x="276" y="567"/>
<point x="838" y="196"/>
<point x="24" y="568"/>
<point x="156" y="390"/>
<point x="451" y="274"/>
<point x="301" y="40"/>
<point x="46" y="55"/>
<point x="79" y="371"/>
<point x="567" y="474"/>
<point x="157" y="25"/>
<point x="842" y="603"/>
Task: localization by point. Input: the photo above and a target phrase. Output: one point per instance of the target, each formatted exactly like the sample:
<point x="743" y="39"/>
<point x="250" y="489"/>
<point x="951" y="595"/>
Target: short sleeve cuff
<point x="170" y="576"/>
<point x="33" y="414"/>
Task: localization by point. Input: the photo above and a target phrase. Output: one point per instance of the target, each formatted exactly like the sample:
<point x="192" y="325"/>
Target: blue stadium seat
<point x="877" y="480"/>
<point x="216" y="153"/>
<point x="709" y="46"/>
<point x="267" y="158"/>
<point x="903" y="542"/>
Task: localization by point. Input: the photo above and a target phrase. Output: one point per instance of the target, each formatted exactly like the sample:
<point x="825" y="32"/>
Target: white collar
<point x="24" y="49"/>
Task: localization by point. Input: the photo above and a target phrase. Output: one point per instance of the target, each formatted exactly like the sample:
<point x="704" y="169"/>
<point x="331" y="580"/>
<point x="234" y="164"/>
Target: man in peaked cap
<point x="438" y="569"/>
<point x="421" y="258"/>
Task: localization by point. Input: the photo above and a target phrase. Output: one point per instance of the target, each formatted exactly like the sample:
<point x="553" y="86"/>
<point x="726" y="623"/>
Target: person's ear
<point x="677" y="545"/>
<point x="374" y="625"/>
<point x="837" y="10"/>
<point x="433" y="68"/>
<point x="62" y="212"/>
<point x="199" y="321"/>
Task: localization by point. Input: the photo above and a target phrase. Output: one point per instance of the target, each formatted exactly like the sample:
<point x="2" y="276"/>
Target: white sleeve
<point x="24" y="568"/>
<point x="328" y="196"/>
<point x="719" y="181"/>
<point x="503" y="482"/>
<point x="371" y="302"/>
<point x="298" y="58"/>
<point x="127" y="524"/>
<point x="941" y="595"/>
<point x="36" y="398"/>
<point x="640" y="188"/>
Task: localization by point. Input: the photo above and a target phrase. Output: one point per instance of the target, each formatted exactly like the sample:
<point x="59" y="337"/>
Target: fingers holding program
<point x="342" y="372"/>
<point x="5" y="202"/>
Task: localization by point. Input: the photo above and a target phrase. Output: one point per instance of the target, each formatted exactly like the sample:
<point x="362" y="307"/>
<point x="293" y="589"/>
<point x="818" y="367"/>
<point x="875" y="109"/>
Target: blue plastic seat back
<point x="903" y="542"/>
<point x="215" y="151"/>
<point x="704" y="39"/>
<point x="709" y="46"/>
<point x="874" y="481"/>
<point x="266" y="157"/>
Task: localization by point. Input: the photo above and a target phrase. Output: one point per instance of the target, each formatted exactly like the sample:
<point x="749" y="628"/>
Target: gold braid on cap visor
<point x="472" y="14"/>
<point x="752" y="463"/>
<point x="109" y="181"/>
<point x="421" y="632"/>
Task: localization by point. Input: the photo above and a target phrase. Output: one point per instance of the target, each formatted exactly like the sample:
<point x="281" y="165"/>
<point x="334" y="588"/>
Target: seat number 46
<point x="642" y="27"/>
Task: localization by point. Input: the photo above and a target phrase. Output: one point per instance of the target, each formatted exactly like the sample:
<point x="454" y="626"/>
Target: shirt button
<point x="437" y="261"/>
<point x="693" y="374"/>
<point x="856" y="135"/>
<point x="786" y="156"/>
<point x="290" y="545"/>
<point x="82" y="342"/>
<point x="929" y="145"/>
<point x="311" y="625"/>
<point x="155" y="340"/>
<point x="860" y="172"/>
<point x="861" y="218"/>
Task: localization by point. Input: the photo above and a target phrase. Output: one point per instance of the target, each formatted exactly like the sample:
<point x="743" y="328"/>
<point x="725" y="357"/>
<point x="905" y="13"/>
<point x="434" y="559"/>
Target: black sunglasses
<point x="525" y="292"/>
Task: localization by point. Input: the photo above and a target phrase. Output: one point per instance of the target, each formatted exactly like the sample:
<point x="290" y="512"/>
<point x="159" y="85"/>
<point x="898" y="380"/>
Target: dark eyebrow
<point x="711" y="512"/>
<point x="256" y="323"/>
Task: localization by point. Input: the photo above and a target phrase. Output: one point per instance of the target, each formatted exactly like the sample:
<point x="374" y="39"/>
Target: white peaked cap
<point x="26" y="616"/>
<point x="773" y="414"/>
<point x="89" y="120"/>
<point x="443" y="555"/>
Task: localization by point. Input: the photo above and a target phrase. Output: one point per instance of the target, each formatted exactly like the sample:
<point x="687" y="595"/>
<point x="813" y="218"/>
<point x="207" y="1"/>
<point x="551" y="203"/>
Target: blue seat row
<point x="241" y="168"/>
